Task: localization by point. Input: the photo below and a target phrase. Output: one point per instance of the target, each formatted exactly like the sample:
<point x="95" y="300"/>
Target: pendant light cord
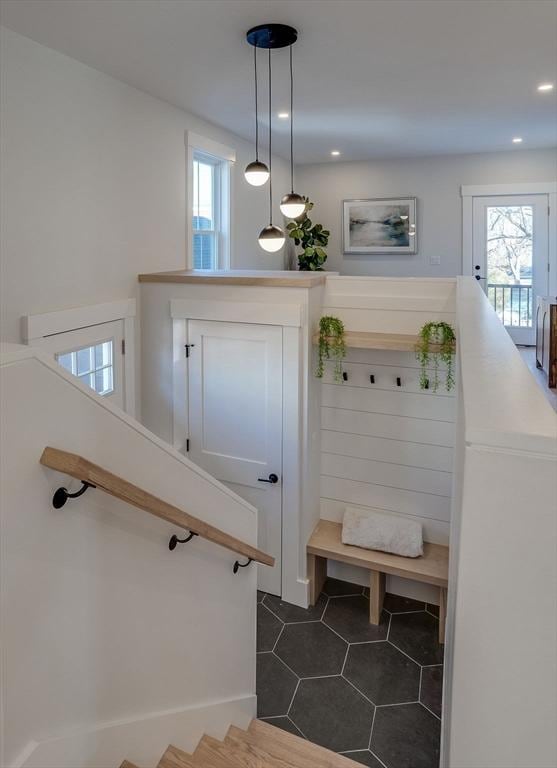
<point x="270" y="149"/>
<point x="291" y="124"/>
<point x="256" y="117"/>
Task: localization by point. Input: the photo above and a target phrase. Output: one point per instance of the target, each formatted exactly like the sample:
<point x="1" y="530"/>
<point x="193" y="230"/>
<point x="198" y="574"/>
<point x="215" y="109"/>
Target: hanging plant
<point x="313" y="239"/>
<point x="331" y="345"/>
<point x="436" y="343"/>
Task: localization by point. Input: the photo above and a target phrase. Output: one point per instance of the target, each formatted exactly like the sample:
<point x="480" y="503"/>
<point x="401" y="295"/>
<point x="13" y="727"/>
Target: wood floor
<point x="529" y="356"/>
<point x="261" y="746"/>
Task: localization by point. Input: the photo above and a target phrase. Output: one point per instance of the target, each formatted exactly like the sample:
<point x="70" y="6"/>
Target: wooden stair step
<point x="127" y="764"/>
<point x="254" y="754"/>
<point x="213" y="753"/>
<point x="176" y="758"/>
<point x="294" y="750"/>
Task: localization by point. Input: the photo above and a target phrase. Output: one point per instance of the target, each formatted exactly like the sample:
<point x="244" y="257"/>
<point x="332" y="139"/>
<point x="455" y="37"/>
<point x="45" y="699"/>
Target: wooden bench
<point x="431" y="568"/>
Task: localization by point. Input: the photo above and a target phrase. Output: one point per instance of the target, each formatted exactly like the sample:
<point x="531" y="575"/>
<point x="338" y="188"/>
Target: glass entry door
<point x="510" y="258"/>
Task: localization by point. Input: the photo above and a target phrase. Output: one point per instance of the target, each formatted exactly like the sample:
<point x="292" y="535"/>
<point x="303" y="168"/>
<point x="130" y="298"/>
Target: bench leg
<point x="376" y="596"/>
<point x="442" y="613"/>
<point x="317" y="573"/>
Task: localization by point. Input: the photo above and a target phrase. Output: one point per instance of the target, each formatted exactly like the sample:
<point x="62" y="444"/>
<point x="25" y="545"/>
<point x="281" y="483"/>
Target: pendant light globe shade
<point x="271" y="238"/>
<point x="292" y="205"/>
<point x="256" y="173"/>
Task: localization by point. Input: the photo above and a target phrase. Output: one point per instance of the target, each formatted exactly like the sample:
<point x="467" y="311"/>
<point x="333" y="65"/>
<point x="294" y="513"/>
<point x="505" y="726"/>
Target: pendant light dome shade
<point x="271" y="238"/>
<point x="256" y="173"/>
<point x="292" y="205"/>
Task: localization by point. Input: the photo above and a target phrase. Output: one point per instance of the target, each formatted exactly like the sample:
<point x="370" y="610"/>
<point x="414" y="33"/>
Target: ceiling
<point x="373" y="78"/>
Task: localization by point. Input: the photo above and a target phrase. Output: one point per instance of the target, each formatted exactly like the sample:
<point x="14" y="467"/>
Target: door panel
<point x="510" y="257"/>
<point x="235" y="420"/>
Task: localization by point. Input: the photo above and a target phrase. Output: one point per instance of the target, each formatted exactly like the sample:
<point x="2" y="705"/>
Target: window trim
<point x="225" y="158"/>
<point x="37" y="328"/>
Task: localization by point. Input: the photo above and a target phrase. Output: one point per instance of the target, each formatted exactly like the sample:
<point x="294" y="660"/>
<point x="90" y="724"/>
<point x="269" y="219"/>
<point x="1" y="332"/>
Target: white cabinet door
<point x="93" y="354"/>
<point x="235" y="420"/>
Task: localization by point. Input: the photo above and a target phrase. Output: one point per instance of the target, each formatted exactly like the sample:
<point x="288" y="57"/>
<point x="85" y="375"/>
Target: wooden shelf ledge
<point x="401" y="342"/>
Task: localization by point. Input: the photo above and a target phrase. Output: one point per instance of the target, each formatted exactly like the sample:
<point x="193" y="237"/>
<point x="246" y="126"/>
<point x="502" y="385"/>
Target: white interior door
<point x="95" y="355"/>
<point x="235" y="421"/>
<point x="511" y="257"/>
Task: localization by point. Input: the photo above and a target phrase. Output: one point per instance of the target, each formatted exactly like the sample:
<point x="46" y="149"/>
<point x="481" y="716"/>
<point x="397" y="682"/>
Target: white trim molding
<point x="290" y="315"/>
<point x="469" y="192"/>
<point x="36" y="328"/>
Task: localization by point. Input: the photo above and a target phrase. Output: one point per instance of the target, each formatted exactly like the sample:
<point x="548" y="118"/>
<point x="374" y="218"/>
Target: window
<point x="206" y="222"/>
<point x="209" y="172"/>
<point x="93" y="365"/>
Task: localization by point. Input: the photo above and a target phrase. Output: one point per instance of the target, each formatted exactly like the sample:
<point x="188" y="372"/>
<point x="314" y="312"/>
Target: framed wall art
<point x="379" y="226"/>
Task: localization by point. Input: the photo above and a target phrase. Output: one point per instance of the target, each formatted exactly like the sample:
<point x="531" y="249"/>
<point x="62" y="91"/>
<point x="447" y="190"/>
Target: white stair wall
<point x="107" y="635"/>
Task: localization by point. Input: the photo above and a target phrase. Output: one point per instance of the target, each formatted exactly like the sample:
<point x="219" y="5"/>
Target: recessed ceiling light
<point x="517" y="140"/>
<point x="545" y="87"/>
<point x="335" y="153"/>
<point x="284" y="115"/>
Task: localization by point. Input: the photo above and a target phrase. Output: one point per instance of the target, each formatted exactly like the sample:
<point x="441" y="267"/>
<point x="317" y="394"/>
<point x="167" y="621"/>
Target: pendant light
<point x="271" y="238"/>
<point x="292" y="205"/>
<point x="256" y="172"/>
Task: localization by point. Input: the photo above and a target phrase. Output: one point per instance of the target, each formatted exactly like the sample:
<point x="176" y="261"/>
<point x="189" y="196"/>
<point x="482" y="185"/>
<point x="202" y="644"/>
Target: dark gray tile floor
<point x="370" y="693"/>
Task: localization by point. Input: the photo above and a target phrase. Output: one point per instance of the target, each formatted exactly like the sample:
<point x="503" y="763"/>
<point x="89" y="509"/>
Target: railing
<point x="91" y="475"/>
<point x="513" y="303"/>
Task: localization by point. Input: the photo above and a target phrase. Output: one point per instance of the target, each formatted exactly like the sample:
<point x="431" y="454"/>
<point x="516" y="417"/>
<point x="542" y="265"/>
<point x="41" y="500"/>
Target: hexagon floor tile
<point x="432" y="688"/>
<point x="292" y="613"/>
<point x="330" y="712"/>
<point x="382" y="673"/>
<point x="334" y="706"/>
<point x="275" y="686"/>
<point x="417" y="635"/>
<point x="311" y="650"/>
<point x="268" y="628"/>
<point x="349" y="617"/>
<point x="406" y="736"/>
<point x="365" y="757"/>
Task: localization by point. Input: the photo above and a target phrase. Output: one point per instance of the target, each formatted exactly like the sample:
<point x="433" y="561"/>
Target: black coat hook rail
<point x="174" y="540"/>
<point x="62" y="494"/>
<point x="238" y="565"/>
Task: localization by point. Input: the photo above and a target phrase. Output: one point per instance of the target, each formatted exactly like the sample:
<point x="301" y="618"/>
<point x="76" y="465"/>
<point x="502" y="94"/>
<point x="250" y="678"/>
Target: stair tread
<point x="255" y="754"/>
<point x="211" y="753"/>
<point x="127" y="764"/>
<point x="176" y="758"/>
<point x="300" y="752"/>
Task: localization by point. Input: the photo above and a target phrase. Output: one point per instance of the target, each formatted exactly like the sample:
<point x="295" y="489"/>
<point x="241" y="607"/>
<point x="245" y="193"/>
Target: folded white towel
<point x="380" y="530"/>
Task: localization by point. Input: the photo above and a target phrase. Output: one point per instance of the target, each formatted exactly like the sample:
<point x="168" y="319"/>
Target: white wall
<point x="500" y="702"/>
<point x="435" y="181"/>
<point x="93" y="185"/>
<point x="110" y="642"/>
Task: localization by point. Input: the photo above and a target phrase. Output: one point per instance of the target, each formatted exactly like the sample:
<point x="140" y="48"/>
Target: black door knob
<point x="477" y="266"/>
<point x="271" y="479"/>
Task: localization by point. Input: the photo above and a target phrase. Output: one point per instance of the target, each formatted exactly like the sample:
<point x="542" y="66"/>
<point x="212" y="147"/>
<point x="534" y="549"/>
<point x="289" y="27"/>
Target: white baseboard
<point x="141" y="740"/>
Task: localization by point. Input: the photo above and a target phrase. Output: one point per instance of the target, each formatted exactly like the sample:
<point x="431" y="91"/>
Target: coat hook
<point x="398" y="381"/>
<point x="62" y="495"/>
<point x="237" y="565"/>
<point x="174" y="540"/>
<point x="372" y="378"/>
<point x="344" y="376"/>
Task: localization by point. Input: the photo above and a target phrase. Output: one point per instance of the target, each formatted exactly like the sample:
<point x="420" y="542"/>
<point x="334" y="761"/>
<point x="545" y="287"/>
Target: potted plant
<point x="313" y="239"/>
<point x="436" y="343"/>
<point x="331" y="345"/>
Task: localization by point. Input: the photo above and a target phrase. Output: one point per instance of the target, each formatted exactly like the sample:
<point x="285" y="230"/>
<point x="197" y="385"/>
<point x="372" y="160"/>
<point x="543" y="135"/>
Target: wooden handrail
<point x="86" y="471"/>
